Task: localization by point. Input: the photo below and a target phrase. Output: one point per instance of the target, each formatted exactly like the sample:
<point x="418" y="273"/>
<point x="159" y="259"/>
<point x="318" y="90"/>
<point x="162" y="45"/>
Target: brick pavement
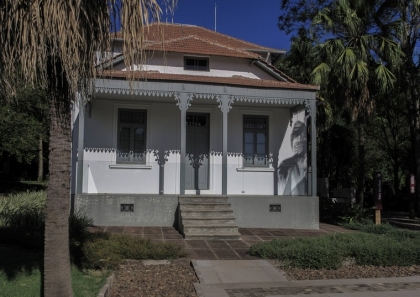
<point x="221" y="249"/>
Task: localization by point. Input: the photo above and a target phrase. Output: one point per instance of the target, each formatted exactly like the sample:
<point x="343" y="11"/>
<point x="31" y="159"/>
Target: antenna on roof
<point x="215" y="14"/>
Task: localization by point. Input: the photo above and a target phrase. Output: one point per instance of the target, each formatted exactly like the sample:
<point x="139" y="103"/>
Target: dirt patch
<point x="176" y="279"/>
<point x="135" y="279"/>
<point x="352" y="271"/>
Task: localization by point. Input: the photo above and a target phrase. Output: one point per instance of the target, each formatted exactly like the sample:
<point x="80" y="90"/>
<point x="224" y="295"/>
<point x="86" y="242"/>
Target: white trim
<point x="255" y="169"/>
<point x="115" y="125"/>
<point x="130" y="166"/>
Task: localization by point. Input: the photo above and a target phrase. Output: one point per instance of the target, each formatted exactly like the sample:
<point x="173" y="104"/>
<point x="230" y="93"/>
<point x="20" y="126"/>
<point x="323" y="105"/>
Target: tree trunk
<point x="361" y="140"/>
<point x="40" y="161"/>
<point x="57" y="277"/>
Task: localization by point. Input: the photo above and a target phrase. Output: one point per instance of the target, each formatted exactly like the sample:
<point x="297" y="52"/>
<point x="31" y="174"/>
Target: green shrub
<point x="108" y="250"/>
<point x="23" y="210"/>
<point x="25" y="214"/>
<point x="394" y="247"/>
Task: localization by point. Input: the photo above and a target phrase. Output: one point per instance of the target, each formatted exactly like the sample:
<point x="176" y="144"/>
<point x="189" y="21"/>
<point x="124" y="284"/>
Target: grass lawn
<point x="20" y="274"/>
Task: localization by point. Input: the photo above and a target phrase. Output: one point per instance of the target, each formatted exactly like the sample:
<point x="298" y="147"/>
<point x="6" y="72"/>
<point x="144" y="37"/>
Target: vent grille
<point x="275" y="207"/>
<point x="127" y="207"/>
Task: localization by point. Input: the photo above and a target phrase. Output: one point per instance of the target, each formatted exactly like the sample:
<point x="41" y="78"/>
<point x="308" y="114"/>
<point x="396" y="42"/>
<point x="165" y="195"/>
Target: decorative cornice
<point x="213" y="153"/>
<point x="235" y="154"/>
<point x="232" y="98"/>
<point x="137" y="92"/>
<point x="269" y="100"/>
<point x="100" y="149"/>
<point x="205" y="96"/>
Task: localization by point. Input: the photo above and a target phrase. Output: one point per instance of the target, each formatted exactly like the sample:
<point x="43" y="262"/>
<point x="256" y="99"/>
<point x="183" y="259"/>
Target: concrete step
<point x="207" y="217"/>
<point x="213" y="236"/>
<point x="211" y="229"/>
<point x="207" y="205"/>
<point x="202" y="198"/>
<point x="205" y="213"/>
<point x="191" y="220"/>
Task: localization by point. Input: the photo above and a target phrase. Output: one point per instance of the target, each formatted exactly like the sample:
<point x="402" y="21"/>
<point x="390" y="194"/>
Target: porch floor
<point x="219" y="250"/>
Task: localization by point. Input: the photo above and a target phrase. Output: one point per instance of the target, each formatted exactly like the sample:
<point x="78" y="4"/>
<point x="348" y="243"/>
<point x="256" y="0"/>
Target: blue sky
<point x="251" y="20"/>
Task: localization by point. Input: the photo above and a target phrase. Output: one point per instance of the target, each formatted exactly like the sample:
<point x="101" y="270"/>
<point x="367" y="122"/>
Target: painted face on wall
<point x="298" y="139"/>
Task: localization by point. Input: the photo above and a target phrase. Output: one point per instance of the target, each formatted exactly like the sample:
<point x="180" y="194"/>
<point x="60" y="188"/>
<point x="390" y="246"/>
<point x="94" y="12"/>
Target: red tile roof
<point x="195" y="45"/>
<point x="167" y="31"/>
<point x="235" y="80"/>
<point x="192" y="39"/>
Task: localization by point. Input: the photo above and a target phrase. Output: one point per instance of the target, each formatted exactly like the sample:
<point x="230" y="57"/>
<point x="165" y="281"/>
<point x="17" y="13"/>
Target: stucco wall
<point x="149" y="210"/>
<point x="173" y="63"/>
<point x="297" y="212"/>
<point x="163" y="134"/>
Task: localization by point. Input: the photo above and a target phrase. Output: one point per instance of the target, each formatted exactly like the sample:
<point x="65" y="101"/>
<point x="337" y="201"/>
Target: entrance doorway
<point x="197" y="149"/>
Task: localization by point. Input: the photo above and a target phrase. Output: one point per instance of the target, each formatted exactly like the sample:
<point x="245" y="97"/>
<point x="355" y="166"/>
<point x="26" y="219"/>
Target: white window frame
<point x="143" y="107"/>
<point x="269" y="115"/>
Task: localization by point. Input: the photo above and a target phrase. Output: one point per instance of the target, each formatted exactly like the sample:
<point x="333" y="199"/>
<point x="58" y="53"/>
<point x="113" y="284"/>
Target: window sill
<point x="130" y="166"/>
<point x="255" y="169"/>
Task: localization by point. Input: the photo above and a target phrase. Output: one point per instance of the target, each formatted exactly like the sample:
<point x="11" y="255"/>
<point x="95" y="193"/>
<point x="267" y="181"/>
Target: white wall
<point x="163" y="134"/>
<point x="173" y="63"/>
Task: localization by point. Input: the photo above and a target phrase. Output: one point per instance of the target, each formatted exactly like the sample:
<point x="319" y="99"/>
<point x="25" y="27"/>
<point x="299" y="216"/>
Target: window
<point x="255" y="140"/>
<point x="131" y="136"/>
<point x="196" y="63"/>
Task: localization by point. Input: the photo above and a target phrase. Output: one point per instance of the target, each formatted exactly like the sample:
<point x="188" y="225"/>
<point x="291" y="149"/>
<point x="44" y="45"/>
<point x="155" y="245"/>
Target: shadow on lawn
<point x="15" y="260"/>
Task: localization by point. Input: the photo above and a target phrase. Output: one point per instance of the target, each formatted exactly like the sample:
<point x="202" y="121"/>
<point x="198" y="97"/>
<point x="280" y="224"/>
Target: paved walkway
<point x="225" y="270"/>
<point x="219" y="250"/>
<point x="258" y="278"/>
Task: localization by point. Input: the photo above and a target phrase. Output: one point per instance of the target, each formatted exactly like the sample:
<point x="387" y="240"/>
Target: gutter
<point x="267" y="69"/>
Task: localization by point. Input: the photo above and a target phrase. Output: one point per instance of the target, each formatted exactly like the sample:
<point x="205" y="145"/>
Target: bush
<point x="108" y="250"/>
<point x="335" y="213"/>
<point x="24" y="214"/>
<point x="387" y="249"/>
<point x="23" y="210"/>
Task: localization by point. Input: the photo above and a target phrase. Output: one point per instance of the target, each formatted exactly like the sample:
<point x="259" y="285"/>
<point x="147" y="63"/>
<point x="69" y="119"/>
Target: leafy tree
<point x="24" y="126"/>
<point x="352" y="57"/>
<point x="53" y="44"/>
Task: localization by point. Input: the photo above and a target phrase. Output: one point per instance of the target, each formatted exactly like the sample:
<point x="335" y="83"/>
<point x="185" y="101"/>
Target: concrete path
<point x="258" y="278"/>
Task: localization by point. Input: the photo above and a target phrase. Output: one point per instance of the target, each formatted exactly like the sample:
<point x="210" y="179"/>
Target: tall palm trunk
<point x="57" y="278"/>
<point x="40" y="160"/>
<point x="362" y="159"/>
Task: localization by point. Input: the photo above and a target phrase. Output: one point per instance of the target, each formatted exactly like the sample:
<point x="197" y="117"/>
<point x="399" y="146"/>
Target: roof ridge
<point x="217" y="33"/>
<point x="251" y="55"/>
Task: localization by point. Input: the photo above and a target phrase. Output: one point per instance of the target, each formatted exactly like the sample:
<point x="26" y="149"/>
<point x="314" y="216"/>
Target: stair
<point x="205" y="217"/>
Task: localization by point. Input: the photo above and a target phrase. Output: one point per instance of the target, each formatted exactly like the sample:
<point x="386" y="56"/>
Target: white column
<point x="183" y="104"/>
<point x="81" y="145"/>
<point x="225" y="102"/>
<point x="313" y="147"/>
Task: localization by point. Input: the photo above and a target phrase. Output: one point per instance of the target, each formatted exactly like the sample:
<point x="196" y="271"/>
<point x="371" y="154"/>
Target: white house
<point x="209" y="116"/>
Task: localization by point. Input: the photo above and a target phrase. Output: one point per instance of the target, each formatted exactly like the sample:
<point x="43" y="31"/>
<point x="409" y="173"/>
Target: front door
<point x="198" y="148"/>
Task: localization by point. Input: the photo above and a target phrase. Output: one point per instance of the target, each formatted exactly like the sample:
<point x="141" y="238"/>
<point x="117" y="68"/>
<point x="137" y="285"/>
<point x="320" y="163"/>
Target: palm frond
<point x="320" y="73"/>
<point x="385" y="79"/>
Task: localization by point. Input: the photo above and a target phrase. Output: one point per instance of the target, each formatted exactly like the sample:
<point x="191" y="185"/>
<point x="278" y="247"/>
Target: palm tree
<point x="53" y="44"/>
<point x="351" y="59"/>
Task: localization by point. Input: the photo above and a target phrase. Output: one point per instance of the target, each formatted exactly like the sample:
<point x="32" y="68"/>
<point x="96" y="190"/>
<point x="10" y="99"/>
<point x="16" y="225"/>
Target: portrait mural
<point x="292" y="168"/>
